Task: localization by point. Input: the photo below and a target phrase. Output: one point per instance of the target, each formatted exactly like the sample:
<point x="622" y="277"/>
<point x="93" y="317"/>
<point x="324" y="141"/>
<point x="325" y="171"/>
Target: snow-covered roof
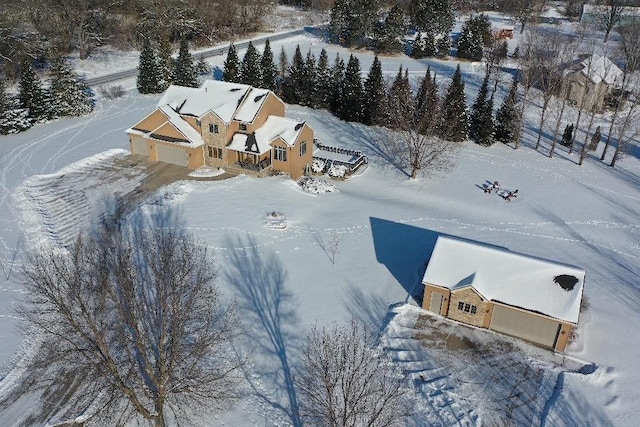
<point x="183" y="127"/>
<point x="248" y="144"/>
<point x="223" y="98"/>
<point x="508" y="277"/>
<point x="602" y="9"/>
<point x="253" y="102"/>
<point x="279" y="127"/>
<point x="597" y="68"/>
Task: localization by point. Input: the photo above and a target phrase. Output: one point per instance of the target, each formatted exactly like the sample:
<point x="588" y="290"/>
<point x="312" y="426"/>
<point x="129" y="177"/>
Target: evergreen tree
<point x="480" y="119"/>
<point x="294" y="77"/>
<point x="268" y="68"/>
<point x="389" y="33"/>
<point x="166" y="65"/>
<point x="375" y="106"/>
<point x="202" y="67"/>
<point x="353" y="92"/>
<point x="470" y="43"/>
<point x="250" y="72"/>
<point x="507" y="124"/>
<point x="339" y="21"/>
<point x="427" y="109"/>
<point x="401" y="99"/>
<point x="454" y="122"/>
<point x="69" y="95"/>
<point x="324" y="82"/>
<point x="13" y="119"/>
<point x="443" y="46"/>
<point x="31" y="94"/>
<point x="148" y="80"/>
<point x="432" y="16"/>
<point x="308" y="79"/>
<point x="231" y="66"/>
<point x="185" y="72"/>
<point x="283" y="63"/>
<point x="338" y="76"/>
<point x="417" y="50"/>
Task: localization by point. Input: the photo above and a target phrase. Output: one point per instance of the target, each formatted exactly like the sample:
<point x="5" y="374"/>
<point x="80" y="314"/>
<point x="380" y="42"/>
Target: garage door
<point x="524" y="325"/>
<point x="435" y="305"/>
<point x="140" y="146"/>
<point x="173" y="155"/>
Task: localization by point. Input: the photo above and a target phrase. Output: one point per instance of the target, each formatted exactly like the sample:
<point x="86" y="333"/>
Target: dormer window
<point x="243" y="127"/>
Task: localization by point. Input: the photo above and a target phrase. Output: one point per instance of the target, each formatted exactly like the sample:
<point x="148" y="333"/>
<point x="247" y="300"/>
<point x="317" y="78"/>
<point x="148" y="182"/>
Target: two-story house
<point x="226" y="125"/>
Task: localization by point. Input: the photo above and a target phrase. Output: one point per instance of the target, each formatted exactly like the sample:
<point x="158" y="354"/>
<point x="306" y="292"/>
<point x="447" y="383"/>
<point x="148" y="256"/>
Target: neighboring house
<point x="224" y="125"/>
<point x="589" y="79"/>
<point x="503" y="32"/>
<point x="507" y="292"/>
<point x="595" y="14"/>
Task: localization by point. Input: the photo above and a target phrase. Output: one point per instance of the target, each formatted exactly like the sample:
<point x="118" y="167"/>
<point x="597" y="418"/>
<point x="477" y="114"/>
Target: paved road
<point x="132" y="72"/>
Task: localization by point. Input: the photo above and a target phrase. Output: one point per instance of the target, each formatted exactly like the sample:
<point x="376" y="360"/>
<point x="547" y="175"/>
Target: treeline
<point x="43" y="29"/>
<point x="64" y="95"/>
<point x="338" y="87"/>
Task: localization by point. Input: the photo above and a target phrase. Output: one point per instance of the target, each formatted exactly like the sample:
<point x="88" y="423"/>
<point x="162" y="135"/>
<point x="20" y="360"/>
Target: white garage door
<point x="173" y="155"/>
<point x="524" y="325"/>
<point x="435" y="305"/>
<point x="140" y="146"/>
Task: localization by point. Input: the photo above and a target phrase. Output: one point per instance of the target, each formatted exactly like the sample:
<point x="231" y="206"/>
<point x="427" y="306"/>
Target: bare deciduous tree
<point x="625" y="131"/>
<point x="348" y="381"/>
<point x="132" y="321"/>
<point x="610" y="16"/>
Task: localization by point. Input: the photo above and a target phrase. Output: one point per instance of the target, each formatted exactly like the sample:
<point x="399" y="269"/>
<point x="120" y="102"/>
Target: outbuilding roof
<point x="499" y="275"/>
<point x="596" y="68"/>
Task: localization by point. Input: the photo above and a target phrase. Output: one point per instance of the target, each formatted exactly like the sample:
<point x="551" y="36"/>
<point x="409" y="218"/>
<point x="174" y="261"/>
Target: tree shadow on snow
<point x="269" y="310"/>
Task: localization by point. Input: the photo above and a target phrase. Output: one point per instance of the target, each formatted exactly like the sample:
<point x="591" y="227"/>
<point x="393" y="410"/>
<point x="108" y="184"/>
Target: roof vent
<point x="259" y="97"/>
<point x="235" y="89"/>
<point x="298" y="126"/>
<point x="566" y="281"/>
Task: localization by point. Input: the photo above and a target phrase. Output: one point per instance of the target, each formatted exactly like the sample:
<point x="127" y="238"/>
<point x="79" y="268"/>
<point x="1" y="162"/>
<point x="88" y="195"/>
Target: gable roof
<point x="252" y="103"/>
<point x="166" y="125"/>
<point x="273" y="128"/>
<point x="596" y="68"/>
<point x="508" y="277"/>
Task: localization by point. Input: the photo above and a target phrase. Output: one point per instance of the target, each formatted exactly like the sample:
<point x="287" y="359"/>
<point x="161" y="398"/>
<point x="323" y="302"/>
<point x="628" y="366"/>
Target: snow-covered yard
<point x="585" y="216"/>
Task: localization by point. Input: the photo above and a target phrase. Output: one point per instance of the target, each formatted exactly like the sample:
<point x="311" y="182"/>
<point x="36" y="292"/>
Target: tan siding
<point x="193" y="122"/>
<point x="430" y="290"/>
<point x="151" y="122"/>
<point x="563" y="338"/>
<point x="469" y="296"/>
<point x="168" y="130"/>
<point x="196" y="157"/>
<point x="297" y="162"/>
<point x="272" y="106"/>
<point x="279" y="165"/>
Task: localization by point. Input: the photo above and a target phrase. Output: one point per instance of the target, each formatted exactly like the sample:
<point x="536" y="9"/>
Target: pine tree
<point x="31" y="94"/>
<point x="388" y="34"/>
<point x="454" y="122"/>
<point x="308" y="79"/>
<point x="185" y="72"/>
<point x="13" y="119"/>
<point x="339" y="21"/>
<point x="268" y="68"/>
<point x="166" y="65"/>
<point x="470" y="43"/>
<point x="432" y="16"/>
<point x="481" y="123"/>
<point x="69" y="95"/>
<point x="401" y="99"/>
<point x="338" y="76"/>
<point x="231" y="66"/>
<point x="353" y="92"/>
<point x="443" y="46"/>
<point x="283" y="63"/>
<point x="250" y="72"/>
<point x="375" y="106"/>
<point x="427" y="109"/>
<point x="148" y="80"/>
<point x="507" y="124"/>
<point x="293" y="81"/>
<point x="324" y="83"/>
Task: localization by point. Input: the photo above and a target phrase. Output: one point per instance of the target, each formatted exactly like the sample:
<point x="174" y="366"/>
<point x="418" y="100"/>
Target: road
<point x="132" y="72"/>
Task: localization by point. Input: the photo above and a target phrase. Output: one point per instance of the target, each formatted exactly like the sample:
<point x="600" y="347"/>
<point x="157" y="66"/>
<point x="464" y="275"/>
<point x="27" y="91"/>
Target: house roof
<point x="508" y="277"/>
<point x="222" y="98"/>
<point x="252" y="103"/>
<point x="273" y="128"/>
<point x="596" y="68"/>
<point x="174" y="122"/>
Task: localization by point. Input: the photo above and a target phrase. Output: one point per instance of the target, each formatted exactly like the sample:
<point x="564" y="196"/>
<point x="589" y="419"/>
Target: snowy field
<point x="586" y="216"/>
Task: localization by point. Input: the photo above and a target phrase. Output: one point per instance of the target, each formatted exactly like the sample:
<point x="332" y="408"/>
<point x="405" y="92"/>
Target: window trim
<point x="214" y="128"/>
<point x="303" y="148"/>
<point x="280" y="154"/>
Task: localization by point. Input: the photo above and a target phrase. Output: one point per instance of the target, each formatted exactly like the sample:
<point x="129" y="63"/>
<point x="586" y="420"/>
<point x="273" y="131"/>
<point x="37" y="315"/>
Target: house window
<point x="215" y="152"/>
<point x="213" y="128"/>
<point x="280" y="154"/>
<point x="303" y="148"/>
<point x="467" y="308"/>
<point x="243" y="127"/>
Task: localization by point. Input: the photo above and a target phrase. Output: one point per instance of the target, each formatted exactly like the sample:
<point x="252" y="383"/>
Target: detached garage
<point x="490" y="287"/>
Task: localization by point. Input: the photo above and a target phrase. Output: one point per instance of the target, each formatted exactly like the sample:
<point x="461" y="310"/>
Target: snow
<point x="599" y="68"/>
<point x="252" y="104"/>
<point x="279" y="127"/>
<point x="577" y="215"/>
<point x="501" y="275"/>
<point x="192" y="135"/>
